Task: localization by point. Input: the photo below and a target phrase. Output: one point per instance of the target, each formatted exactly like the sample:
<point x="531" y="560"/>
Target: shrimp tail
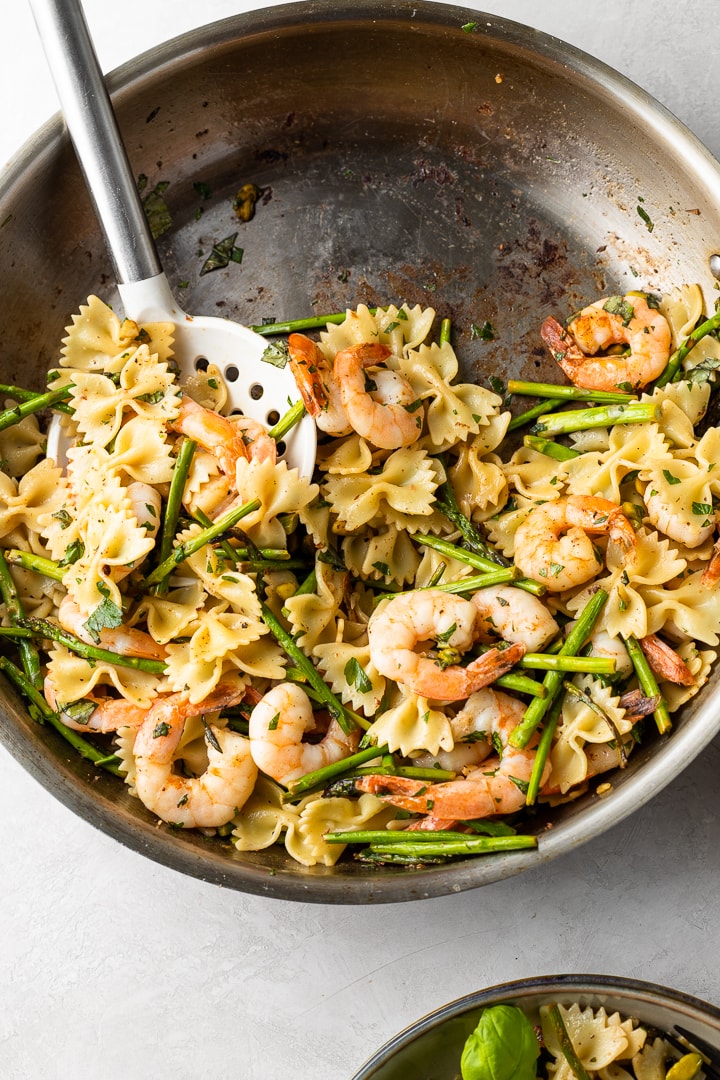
<point x="711" y="574"/>
<point x="494" y="663"/>
<point x="665" y="662"/>
<point x="306" y="367"/>
<point x="401" y="791"/>
<point x="563" y="348"/>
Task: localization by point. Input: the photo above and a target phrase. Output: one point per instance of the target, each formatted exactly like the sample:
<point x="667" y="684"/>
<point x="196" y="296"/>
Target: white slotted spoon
<point x="255" y="388"/>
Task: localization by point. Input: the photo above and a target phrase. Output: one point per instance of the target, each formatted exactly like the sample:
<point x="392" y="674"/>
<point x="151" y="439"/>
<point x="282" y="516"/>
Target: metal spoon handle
<point x="95" y="134"/>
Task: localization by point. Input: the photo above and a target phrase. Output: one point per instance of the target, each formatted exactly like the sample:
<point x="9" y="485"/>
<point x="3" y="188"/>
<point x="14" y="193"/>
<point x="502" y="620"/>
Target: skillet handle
<point x="96" y="137"/>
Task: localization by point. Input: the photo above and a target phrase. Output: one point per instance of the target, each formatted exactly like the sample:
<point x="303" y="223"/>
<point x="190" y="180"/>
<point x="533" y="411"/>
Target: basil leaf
<point x="503" y="1046"/>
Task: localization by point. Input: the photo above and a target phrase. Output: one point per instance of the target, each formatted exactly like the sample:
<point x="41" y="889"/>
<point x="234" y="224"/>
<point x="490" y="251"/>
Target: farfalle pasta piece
<point x="699" y="662"/>
<point x="400" y="328"/>
<point x="479" y="483"/>
<point x="410" y="726"/>
<point x="649" y="1062"/>
<point x="226" y="583"/>
<point x="351" y="674"/>
<point x="404" y="489"/>
<point x="31" y="502"/>
<point x="601" y="473"/>
<point x="345" y="457"/>
<point x="529" y="474"/>
<point x="313" y="616"/>
<point x="501" y="528"/>
<point x="20" y="445"/>
<point x="319" y="815"/>
<point x="217" y="637"/>
<point x="684" y="308"/>
<point x="264" y="817"/>
<point x="682" y="405"/>
<point x="280" y="490"/>
<point x="655" y="563"/>
<point x="97" y="340"/>
<point x="453" y="411"/>
<point x="169" y="616"/>
<point x="113" y="542"/>
<point x="582" y="724"/>
<point x="679" y="499"/>
<point x="690" y="609"/>
<point x="145" y="386"/>
<point x="141" y="450"/>
<point x="74" y="678"/>
<point x="597" y="1039"/>
<point x="388" y="555"/>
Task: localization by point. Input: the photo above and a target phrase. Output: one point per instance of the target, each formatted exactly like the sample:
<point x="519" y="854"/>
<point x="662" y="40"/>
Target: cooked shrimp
<point x="628" y="322"/>
<point x="665" y="662"/>
<point x="497" y="786"/>
<point x="552" y="543"/>
<point x="672" y="516"/>
<point x="206" y="801"/>
<point x="96" y="714"/>
<point x="122" y="639"/>
<point x="316" y="383"/>
<point x="513" y="615"/>
<point x="613" y="648"/>
<point x="388" y="414"/>
<point x="277" y="726"/>
<point x="711" y="573"/>
<point x="227" y="440"/>
<point x="145" y="503"/>
<point x="402" y="624"/>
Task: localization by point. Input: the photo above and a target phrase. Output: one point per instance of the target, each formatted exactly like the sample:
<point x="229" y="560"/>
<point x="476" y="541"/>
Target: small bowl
<point x="431" y="1048"/>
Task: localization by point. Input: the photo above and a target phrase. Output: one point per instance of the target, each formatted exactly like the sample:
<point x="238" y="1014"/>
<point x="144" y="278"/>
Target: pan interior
<point x="491" y="173"/>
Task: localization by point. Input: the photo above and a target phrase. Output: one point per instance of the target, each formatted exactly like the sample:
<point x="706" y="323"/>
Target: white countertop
<point x="112" y="966"/>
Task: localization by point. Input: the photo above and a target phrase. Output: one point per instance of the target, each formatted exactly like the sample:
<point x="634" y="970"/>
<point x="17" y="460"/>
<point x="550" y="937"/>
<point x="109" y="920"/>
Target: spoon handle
<point x="94" y="132"/>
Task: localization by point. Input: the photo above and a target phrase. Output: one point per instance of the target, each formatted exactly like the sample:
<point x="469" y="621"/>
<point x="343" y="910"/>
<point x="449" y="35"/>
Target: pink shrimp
<point x="618" y="320"/>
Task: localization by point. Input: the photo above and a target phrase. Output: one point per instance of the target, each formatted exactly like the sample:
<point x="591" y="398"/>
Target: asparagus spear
<point x="648" y="682"/>
<point x="189" y="547"/>
<point x="567" y="393"/>
<point x="9" y="417"/>
<point x="672" y="369"/>
<point x="636" y="412"/>
<point x="577" y="637"/>
<point x="173" y="505"/>
<point x="37" y="701"/>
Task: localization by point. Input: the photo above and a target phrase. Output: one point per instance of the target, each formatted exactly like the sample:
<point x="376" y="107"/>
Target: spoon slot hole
<point x="231" y="373"/>
<point x="272" y="418"/>
<point x="281" y="448"/>
<point x="256" y="391"/>
<point x="202" y="363"/>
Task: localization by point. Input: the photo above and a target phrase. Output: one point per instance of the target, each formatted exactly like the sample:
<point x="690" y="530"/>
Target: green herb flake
<point x="618" y="305"/>
<point x="223" y="253"/>
<point x="382" y="568"/>
<point x="443" y="637"/>
<point x="486" y="332"/>
<point x="161" y="729"/>
<point x="702" y="508"/>
<point x="276" y="353"/>
<point x="106" y="616"/>
<point x="73" y="552"/>
<point x="202" y="189"/>
<point x="355" y="675"/>
<point x="646" y="218"/>
<point x="272" y="726"/>
<point x="63" y="517"/>
<point x="670" y="478"/>
<point x="155" y="207"/>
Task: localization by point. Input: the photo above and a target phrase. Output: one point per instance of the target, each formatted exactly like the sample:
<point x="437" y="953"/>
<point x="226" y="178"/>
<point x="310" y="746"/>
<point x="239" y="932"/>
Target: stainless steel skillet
<point x="404" y="154"/>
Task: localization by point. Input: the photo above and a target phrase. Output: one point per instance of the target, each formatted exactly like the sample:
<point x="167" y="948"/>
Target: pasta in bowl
<point x="612" y="1027"/>
<point x="411" y="656"/>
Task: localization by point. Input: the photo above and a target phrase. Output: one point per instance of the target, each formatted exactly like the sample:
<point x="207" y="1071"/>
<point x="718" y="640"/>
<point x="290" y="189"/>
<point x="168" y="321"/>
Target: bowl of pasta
<point x="482" y="629"/>
<point x="558" y="1026"/>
